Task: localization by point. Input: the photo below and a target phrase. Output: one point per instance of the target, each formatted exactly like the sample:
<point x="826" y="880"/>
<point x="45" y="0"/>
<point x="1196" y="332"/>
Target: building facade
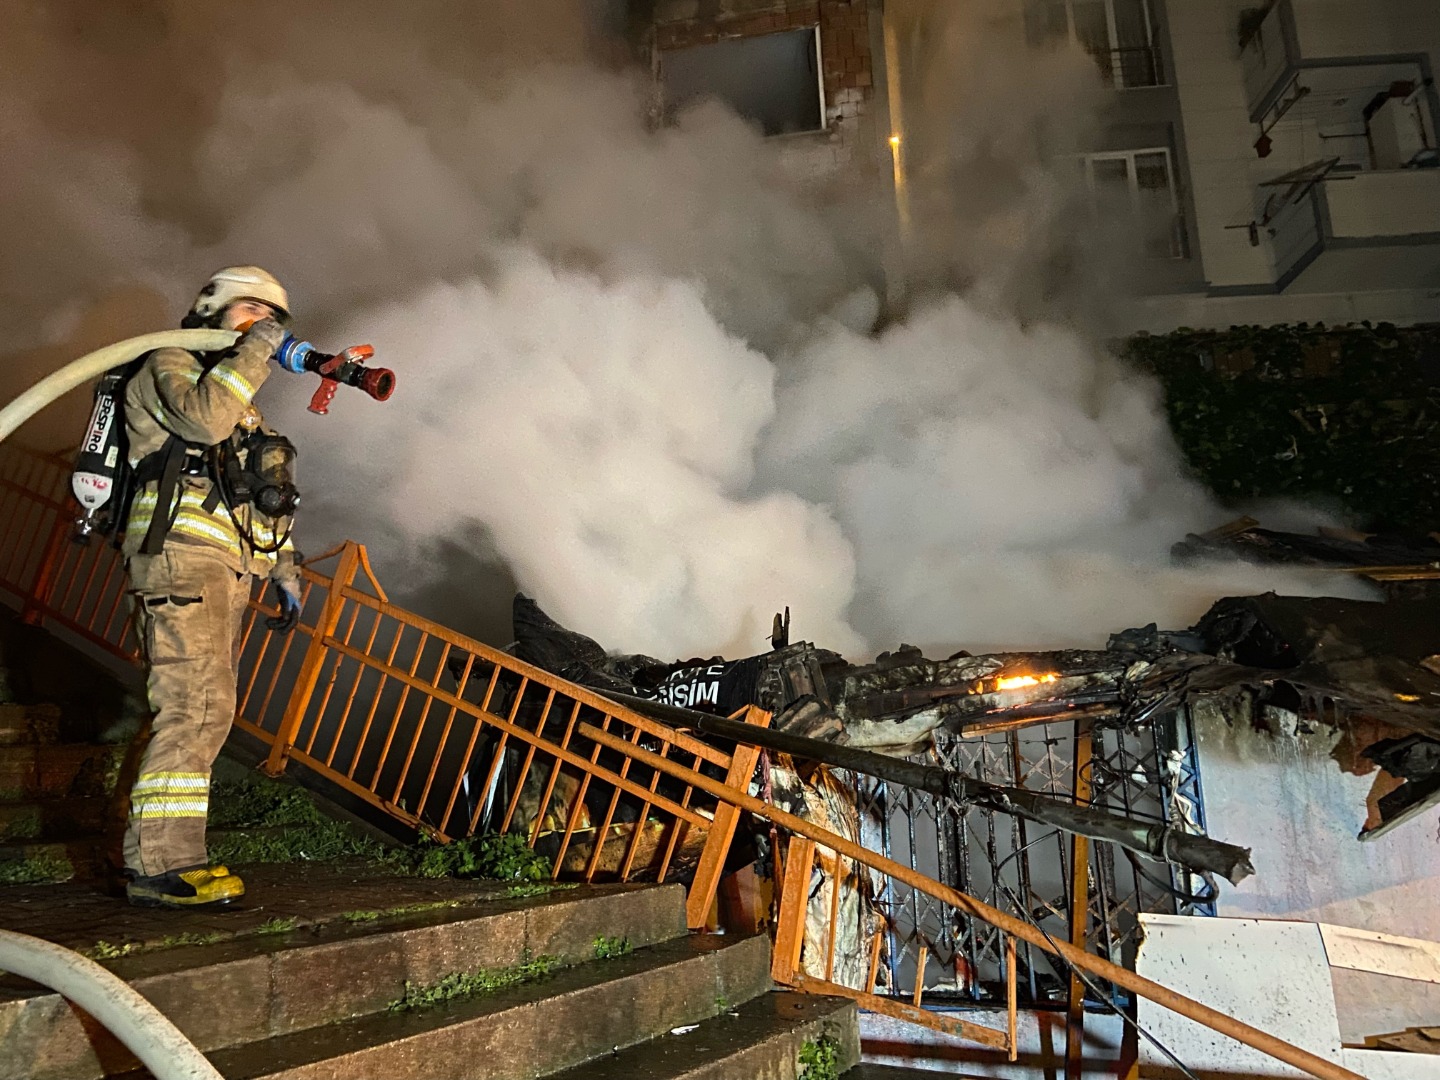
<point x="1276" y="160"/>
<point x="1300" y="142"/>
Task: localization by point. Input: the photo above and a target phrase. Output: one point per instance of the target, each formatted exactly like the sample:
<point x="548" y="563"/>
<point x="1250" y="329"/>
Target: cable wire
<point x="1055" y="959"/>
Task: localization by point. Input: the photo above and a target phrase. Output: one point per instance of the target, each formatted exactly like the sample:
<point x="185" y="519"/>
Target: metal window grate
<point x="1021" y="867"/>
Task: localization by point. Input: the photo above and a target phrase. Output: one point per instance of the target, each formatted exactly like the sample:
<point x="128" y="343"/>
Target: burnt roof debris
<point x="1311" y="660"/>
<point x="1393" y="560"/>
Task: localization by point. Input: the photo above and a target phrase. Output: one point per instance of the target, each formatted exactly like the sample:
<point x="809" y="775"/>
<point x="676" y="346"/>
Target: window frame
<point x="1117" y="69"/>
<point x="822" y="98"/>
<point x="1132" y="184"/>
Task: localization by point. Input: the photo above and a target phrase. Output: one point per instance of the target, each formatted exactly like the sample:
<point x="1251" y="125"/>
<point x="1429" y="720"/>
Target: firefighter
<point x="192" y="549"/>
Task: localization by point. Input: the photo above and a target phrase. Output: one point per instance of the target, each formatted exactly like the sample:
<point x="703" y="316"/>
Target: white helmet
<point x="232" y="284"/>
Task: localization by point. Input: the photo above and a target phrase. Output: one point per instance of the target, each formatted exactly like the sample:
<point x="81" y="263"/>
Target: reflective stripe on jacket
<point x="174" y="394"/>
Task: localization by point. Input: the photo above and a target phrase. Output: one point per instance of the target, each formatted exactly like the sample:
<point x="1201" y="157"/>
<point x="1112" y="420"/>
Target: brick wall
<point x="845" y="52"/>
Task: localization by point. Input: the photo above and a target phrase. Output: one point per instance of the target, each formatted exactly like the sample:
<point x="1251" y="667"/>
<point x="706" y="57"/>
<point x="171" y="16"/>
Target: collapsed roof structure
<point x="1269" y="661"/>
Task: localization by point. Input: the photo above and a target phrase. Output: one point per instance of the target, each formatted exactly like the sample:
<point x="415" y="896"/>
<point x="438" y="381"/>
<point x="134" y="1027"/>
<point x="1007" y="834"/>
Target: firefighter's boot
<point x="201" y="887"/>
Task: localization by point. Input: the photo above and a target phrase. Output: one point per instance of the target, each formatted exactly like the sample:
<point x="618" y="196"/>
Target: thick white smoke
<point x="637" y="363"/>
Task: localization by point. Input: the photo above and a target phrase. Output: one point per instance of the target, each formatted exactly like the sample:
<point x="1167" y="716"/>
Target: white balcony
<point x="1367" y="230"/>
<point x="1297" y="36"/>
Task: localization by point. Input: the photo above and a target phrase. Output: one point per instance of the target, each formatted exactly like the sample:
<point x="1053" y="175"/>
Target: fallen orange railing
<point x="364" y="656"/>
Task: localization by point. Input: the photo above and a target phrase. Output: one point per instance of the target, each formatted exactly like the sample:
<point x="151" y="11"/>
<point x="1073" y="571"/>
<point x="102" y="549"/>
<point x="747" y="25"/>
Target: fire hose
<point x="95" y="364"/>
<point x="346" y="367"/>
<point x="144" y="1030"/>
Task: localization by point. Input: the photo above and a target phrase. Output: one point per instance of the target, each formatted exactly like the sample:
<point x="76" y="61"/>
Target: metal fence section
<point x="1135" y="66"/>
<point x="1022" y="868"/>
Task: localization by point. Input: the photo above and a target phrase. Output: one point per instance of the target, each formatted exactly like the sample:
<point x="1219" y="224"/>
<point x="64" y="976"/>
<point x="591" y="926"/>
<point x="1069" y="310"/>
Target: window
<point x="1143" y="182"/>
<point x="772" y="79"/>
<point x="1119" y="34"/>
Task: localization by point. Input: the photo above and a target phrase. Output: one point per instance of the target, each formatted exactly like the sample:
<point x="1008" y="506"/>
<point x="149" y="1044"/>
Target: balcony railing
<point x="1127" y="68"/>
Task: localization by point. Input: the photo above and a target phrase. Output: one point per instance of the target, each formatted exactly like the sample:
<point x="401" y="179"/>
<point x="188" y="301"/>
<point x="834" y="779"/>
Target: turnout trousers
<point x="189" y="606"/>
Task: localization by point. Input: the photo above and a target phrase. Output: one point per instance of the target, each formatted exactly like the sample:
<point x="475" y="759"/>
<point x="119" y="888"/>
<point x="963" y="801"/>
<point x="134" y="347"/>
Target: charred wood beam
<point x="1151" y="839"/>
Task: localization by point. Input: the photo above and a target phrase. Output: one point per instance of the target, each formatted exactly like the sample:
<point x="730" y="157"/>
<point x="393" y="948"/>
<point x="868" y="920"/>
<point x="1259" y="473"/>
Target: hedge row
<point x="1350" y="414"/>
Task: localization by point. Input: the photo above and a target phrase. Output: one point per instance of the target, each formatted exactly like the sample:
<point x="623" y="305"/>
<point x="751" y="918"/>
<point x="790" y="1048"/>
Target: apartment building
<point x="1298" y="145"/>
<point x="1277" y="160"/>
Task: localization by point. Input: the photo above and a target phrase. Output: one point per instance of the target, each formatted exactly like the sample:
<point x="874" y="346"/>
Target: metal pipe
<point x="1155" y="840"/>
<point x="1304" y="1060"/>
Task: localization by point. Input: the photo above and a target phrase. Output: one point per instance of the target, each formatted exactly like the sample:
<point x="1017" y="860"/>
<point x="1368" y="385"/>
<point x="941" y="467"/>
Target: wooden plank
<point x="722" y="830"/>
<point x="945" y="1023"/>
<point x="790" y="927"/>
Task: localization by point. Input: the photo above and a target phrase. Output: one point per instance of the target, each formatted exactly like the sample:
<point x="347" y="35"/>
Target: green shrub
<point x="820" y="1060"/>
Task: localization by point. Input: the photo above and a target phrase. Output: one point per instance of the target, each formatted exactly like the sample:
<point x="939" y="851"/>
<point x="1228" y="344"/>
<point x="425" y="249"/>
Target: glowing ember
<point x="1017" y="682"/>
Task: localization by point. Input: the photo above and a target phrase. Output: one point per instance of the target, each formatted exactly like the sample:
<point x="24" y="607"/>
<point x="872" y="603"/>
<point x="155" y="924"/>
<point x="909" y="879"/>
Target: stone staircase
<point x="598" y="982"/>
<point x="53" y="798"/>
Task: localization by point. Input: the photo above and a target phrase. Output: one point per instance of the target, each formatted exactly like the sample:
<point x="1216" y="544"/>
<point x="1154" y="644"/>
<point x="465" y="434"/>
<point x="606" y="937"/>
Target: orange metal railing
<point x="439" y="731"/>
<point x="361" y="694"/>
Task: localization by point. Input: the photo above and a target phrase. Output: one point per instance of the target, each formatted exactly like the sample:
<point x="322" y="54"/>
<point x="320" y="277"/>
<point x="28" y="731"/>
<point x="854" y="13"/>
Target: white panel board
<point x="1383" y="954"/>
<point x="1272" y="975"/>
<point x="1391" y="1065"/>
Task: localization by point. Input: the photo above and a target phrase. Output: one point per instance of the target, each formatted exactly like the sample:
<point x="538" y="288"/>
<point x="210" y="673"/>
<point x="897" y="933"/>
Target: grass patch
<point x="259" y="803"/>
<point x="320" y="842"/>
<point x="171" y="941"/>
<point x="277" y="925"/>
<point x="461" y="984"/>
<point x="820" y="1060"/>
<point x="35" y="870"/>
<point x="25" y="826"/>
<point x="262" y="821"/>
<point x="497" y="857"/>
<point x="608" y="948"/>
<point x="524" y="892"/>
<point x="403" y="909"/>
<point x="108" y="950"/>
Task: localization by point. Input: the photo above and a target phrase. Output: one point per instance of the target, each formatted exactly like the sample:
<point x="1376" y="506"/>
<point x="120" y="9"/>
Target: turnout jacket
<point x="174" y="393"/>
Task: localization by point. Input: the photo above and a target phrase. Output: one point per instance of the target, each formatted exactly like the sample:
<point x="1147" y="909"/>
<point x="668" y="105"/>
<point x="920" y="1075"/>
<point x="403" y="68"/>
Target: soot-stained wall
<point x="849" y="65"/>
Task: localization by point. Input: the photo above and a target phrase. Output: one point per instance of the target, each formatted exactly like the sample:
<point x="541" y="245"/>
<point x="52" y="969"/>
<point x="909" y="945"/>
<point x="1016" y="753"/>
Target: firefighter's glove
<point x="266" y="332"/>
<point x="288" y="587"/>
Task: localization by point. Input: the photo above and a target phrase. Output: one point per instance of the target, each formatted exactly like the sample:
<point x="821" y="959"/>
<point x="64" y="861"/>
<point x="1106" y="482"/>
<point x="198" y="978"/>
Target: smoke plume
<point x="639" y="375"/>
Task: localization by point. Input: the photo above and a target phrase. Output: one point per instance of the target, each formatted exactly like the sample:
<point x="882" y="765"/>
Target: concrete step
<point x="49" y="861"/>
<point x="534" y="1029"/>
<point x="273" y="987"/>
<point x="65" y="770"/>
<point x="759" y="1040"/>
<point x="29" y="724"/>
<point x="51" y="819"/>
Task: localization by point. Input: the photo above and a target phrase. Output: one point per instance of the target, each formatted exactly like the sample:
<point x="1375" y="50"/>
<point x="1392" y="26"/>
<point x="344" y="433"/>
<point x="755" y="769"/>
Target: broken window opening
<point x="773" y="80"/>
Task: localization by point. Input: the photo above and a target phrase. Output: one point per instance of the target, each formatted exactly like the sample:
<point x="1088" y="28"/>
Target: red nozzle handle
<point x="324" y="394"/>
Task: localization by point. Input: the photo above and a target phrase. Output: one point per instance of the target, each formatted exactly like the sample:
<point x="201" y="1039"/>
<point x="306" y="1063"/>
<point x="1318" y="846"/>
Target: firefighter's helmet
<point x="232" y="284"/>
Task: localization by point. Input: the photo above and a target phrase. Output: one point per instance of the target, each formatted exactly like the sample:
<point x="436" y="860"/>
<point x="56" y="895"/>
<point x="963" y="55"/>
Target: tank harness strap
<point x="175" y="459"/>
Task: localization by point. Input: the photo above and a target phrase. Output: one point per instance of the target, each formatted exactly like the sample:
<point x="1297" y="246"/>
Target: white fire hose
<point x="143" y="1029"/>
<point x="100" y="361"/>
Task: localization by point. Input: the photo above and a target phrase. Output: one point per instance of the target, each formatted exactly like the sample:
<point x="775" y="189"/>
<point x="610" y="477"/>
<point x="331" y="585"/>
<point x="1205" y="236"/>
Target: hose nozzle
<point x="347" y="367"/>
